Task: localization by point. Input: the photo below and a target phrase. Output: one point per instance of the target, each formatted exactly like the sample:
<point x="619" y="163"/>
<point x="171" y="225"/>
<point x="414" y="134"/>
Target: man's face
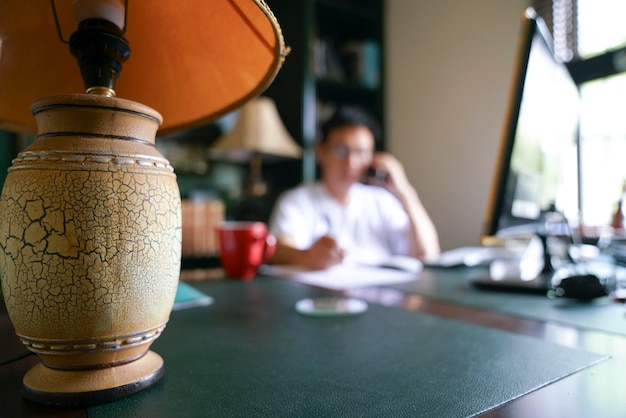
<point x="345" y="155"/>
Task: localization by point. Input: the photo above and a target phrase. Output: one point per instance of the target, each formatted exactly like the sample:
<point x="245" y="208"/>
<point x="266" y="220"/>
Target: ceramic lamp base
<point x="88" y="387"/>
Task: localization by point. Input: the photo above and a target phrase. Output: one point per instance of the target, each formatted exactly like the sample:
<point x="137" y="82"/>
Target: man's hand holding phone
<point x="390" y="173"/>
<point x="375" y="176"/>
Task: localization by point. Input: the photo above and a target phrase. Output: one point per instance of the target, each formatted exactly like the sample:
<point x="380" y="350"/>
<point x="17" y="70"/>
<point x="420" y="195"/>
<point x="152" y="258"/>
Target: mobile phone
<point x="374" y="176"/>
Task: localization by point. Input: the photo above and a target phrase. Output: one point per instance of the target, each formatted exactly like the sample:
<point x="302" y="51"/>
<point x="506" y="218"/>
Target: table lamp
<point x="90" y="228"/>
<point x="258" y="133"/>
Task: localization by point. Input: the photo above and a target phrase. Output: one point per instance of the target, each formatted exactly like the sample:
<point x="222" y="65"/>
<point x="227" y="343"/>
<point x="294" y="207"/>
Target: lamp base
<point x="89" y="387"/>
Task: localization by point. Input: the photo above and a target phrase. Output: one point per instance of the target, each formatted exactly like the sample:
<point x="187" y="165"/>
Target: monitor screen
<point x="537" y="166"/>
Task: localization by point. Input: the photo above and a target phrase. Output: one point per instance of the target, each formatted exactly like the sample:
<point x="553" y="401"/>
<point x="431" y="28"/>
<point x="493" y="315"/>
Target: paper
<point x="342" y="277"/>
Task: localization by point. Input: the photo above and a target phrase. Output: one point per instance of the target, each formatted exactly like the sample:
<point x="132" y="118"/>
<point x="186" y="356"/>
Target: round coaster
<point x="331" y="306"/>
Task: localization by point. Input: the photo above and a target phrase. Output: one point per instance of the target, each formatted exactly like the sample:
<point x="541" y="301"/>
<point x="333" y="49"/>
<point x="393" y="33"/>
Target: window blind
<point x="561" y="18"/>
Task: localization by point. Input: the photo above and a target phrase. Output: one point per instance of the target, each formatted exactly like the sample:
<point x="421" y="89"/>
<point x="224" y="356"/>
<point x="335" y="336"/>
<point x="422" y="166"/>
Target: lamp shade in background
<point x="257" y="131"/>
<point x="193" y="60"/>
<point x="258" y="136"/>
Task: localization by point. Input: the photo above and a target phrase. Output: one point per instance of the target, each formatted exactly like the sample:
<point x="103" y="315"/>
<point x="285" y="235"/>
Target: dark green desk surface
<point x="453" y="285"/>
<point x="250" y="354"/>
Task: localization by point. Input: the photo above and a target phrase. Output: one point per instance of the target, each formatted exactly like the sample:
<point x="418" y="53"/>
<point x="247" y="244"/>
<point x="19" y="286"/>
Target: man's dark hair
<point x="350" y="116"/>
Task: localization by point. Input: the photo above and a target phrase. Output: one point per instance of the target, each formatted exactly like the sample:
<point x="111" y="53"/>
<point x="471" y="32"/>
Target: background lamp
<point x="258" y="134"/>
<point x="90" y="233"/>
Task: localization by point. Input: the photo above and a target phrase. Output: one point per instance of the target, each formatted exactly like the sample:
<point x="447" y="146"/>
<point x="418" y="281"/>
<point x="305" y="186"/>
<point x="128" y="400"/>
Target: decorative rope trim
<point x="89" y="346"/>
<point x="77" y="157"/>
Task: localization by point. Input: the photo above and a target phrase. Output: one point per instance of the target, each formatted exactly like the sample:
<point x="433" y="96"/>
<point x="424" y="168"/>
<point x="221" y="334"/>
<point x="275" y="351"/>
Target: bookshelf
<point x="336" y="58"/>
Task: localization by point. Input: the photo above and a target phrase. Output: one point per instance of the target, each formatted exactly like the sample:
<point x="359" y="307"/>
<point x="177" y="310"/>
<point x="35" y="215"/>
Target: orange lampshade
<point x="191" y="60"/>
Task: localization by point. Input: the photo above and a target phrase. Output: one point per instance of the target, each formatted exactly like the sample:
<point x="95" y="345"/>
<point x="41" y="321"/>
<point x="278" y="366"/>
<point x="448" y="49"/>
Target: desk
<point x="251" y="354"/>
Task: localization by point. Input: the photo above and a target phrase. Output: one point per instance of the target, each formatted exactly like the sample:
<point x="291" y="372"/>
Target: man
<point x="340" y="219"/>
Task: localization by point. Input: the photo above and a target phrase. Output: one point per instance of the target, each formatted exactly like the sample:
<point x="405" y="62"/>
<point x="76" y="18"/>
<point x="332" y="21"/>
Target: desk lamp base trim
<point x="90" y="387"/>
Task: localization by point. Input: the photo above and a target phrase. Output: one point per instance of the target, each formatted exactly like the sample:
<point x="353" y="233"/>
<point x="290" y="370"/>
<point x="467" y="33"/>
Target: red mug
<point x="243" y="247"/>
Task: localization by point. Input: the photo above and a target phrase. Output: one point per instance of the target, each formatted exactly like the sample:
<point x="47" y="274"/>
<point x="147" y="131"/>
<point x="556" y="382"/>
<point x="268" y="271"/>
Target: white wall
<point x="448" y="69"/>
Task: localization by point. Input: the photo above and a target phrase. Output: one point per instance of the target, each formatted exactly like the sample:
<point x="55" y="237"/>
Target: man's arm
<point x="324" y="253"/>
<point x="423" y="239"/>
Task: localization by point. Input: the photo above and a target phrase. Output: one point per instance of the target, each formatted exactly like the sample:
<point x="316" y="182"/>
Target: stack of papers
<point x="348" y="276"/>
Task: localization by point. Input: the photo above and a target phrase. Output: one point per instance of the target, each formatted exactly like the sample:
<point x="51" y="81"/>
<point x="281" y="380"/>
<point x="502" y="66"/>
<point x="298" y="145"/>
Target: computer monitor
<point x="537" y="167"/>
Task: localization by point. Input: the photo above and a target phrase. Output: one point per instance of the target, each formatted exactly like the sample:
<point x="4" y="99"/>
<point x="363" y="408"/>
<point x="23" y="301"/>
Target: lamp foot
<point x="89" y="387"/>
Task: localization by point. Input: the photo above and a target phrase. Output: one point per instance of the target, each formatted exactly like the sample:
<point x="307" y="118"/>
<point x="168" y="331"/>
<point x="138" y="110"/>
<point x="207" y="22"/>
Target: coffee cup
<point x="243" y="247"/>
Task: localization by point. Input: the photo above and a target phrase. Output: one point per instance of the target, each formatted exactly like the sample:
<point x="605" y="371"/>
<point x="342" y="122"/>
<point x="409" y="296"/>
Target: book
<point x="188" y="296"/>
<point x="362" y="61"/>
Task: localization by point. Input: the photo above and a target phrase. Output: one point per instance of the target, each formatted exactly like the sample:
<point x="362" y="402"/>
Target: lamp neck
<point x="100" y="49"/>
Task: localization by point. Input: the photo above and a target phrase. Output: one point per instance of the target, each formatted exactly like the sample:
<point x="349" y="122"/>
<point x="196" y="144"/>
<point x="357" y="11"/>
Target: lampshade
<point x="192" y="60"/>
<point x="258" y="130"/>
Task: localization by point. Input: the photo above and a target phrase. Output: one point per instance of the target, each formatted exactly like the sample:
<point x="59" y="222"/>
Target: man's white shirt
<point x="370" y="228"/>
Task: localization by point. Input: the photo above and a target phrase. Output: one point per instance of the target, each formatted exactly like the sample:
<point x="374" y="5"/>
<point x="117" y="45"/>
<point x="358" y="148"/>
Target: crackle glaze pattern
<point x="90" y="242"/>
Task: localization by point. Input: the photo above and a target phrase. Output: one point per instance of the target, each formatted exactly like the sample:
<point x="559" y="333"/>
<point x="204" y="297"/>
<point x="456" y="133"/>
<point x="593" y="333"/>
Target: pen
<point x="329" y="229"/>
<point x="330" y="232"/>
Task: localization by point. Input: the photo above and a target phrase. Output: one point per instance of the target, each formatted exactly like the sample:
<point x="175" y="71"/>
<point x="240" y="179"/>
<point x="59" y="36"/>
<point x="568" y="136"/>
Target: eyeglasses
<point x="341" y="152"/>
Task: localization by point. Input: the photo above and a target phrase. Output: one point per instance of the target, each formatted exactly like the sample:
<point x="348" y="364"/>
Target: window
<point x="600" y="26"/>
<point x="589" y="35"/>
